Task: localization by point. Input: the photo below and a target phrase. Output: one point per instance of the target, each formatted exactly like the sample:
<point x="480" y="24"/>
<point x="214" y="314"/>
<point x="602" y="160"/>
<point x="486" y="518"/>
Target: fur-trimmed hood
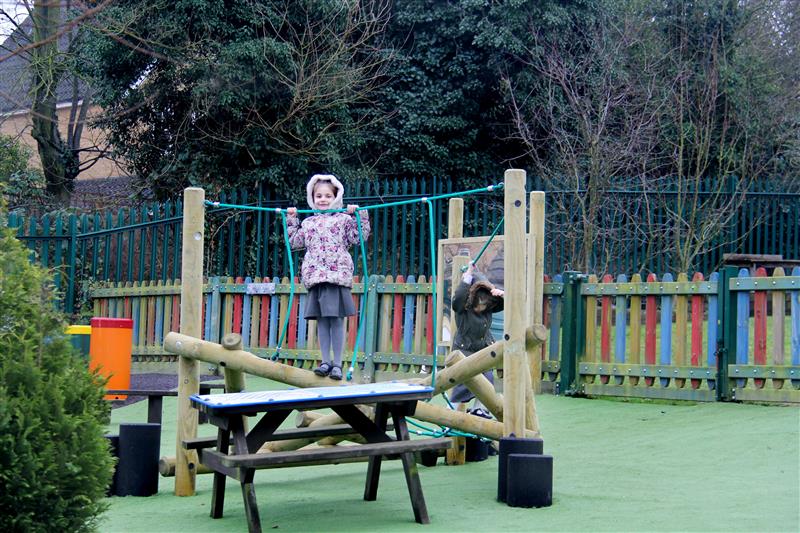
<point x="337" y="186"/>
<point x="482" y="286"/>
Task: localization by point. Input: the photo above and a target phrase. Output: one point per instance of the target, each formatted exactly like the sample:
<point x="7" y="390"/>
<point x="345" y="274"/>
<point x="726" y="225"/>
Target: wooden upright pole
<point x="456" y="455"/>
<point x="535" y="265"/>
<point x="516" y="373"/>
<point x="455" y="218"/>
<point x="191" y="324"/>
<point x="455" y="230"/>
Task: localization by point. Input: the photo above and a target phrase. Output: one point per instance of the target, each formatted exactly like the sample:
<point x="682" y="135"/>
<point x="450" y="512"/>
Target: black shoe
<point x="336" y="373"/>
<point x="323" y="370"/>
<point x="483" y="413"/>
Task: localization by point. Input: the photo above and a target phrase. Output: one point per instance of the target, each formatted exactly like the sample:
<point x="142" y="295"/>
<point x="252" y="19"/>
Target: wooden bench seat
<point x="283" y="434"/>
<point x="230" y="464"/>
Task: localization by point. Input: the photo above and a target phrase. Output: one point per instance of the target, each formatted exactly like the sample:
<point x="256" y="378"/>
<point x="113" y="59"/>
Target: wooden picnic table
<point x="229" y="411"/>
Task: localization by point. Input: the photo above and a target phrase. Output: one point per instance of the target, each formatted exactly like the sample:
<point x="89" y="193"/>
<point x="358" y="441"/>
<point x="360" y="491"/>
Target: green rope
<point x="427" y="199"/>
<point x="489" y="188"/>
<point x="433" y="287"/>
<point x="363" y="298"/>
<point x="486" y="245"/>
<point x="449" y="404"/>
<point x="291" y="286"/>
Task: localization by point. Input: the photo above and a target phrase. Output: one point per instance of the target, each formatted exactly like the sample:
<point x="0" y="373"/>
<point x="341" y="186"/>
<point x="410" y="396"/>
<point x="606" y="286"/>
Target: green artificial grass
<point x="618" y="466"/>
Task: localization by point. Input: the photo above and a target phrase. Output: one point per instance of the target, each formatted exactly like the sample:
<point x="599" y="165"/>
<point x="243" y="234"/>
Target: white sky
<point x="14" y="8"/>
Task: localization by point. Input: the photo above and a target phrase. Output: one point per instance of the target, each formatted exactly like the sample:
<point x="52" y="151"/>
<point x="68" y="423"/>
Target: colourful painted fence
<point x="731" y="337"/>
<point x="395" y="335"/>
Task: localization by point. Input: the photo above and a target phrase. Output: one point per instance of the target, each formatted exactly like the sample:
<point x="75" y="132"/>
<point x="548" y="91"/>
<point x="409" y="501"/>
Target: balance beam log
<point x="166" y="467"/>
<point x="303" y="418"/>
<point x="481" y="387"/>
<point x="476" y="363"/>
<point x="241" y="360"/>
<point x="481" y="361"/>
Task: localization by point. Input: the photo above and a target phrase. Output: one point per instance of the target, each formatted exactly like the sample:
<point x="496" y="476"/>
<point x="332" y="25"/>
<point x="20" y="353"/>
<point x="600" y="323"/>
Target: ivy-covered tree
<point x="222" y="93"/>
<point x="443" y="110"/>
<point x="21" y="185"/>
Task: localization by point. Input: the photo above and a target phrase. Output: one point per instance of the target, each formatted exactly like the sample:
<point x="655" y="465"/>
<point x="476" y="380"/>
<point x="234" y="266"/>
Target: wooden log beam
<point x="481" y="361"/>
<point x="481" y="387"/>
<point x="325" y="420"/>
<point x="295" y="444"/>
<point x="477" y="363"/>
<point x="491" y="429"/>
<point x="209" y="352"/>
<point x="304" y="418"/>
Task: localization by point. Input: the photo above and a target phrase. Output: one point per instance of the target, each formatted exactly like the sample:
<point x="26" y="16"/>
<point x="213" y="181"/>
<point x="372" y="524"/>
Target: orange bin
<point x="110" y="352"/>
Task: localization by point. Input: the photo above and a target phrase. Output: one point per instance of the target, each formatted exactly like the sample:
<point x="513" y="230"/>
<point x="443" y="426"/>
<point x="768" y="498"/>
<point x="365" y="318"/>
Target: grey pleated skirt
<point x="329" y="300"/>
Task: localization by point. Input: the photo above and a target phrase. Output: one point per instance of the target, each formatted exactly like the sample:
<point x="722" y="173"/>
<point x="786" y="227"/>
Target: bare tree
<point x="591" y="126"/>
<point x="731" y="126"/>
<point x="651" y="125"/>
<point x="44" y="43"/>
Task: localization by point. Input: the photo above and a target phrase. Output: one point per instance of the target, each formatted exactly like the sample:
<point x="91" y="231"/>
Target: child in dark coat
<point x="474" y="302"/>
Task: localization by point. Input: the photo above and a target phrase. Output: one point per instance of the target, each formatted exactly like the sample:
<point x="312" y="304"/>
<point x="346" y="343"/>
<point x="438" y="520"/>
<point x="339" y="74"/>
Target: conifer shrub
<point x="55" y="464"/>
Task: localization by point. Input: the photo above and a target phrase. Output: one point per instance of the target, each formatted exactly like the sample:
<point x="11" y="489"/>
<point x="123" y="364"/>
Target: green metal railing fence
<point x="143" y="243"/>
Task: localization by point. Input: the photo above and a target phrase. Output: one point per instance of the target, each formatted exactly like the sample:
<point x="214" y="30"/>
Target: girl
<point x="474" y="302"/>
<point x="327" y="270"/>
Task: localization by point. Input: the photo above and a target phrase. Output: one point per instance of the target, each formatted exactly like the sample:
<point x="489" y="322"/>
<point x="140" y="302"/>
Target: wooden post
<point x="455" y="218"/>
<point x="535" y="270"/>
<point x="516" y="373"/>
<point x="535" y="264"/>
<point x="456" y="454"/>
<point x="191" y="324"/>
<point x="455" y="230"/>
<point x="234" y="379"/>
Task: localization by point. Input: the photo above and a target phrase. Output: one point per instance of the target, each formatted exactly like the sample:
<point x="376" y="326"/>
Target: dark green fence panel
<point x="143" y="243"/>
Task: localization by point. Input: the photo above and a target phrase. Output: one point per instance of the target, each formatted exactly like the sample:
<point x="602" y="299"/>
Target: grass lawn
<point x="618" y="466"/>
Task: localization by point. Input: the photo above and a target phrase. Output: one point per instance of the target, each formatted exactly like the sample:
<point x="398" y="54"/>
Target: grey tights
<point x="331" y="335"/>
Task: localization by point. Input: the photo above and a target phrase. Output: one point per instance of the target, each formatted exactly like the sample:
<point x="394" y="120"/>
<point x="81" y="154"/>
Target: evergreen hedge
<point x="55" y="463"/>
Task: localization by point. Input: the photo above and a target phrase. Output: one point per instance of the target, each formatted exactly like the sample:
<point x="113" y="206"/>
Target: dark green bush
<point x="54" y="461"/>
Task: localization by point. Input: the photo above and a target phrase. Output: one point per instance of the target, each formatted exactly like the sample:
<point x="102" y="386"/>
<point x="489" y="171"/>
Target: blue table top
<point x="312" y="394"/>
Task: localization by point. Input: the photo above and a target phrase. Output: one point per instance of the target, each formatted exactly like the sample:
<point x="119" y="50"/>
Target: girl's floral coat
<point x="327" y="238"/>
